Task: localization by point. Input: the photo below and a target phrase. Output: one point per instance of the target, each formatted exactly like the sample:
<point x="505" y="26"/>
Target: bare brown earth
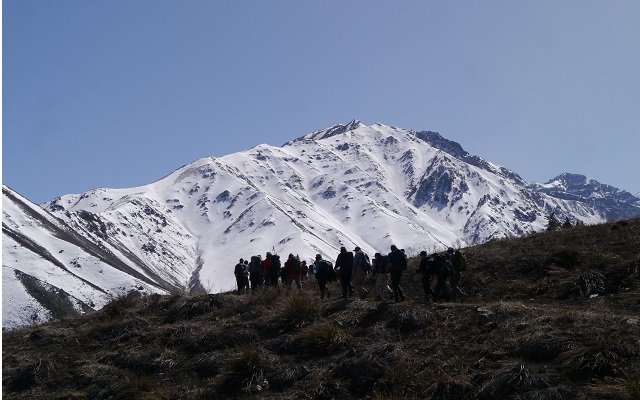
<point x="553" y="315"/>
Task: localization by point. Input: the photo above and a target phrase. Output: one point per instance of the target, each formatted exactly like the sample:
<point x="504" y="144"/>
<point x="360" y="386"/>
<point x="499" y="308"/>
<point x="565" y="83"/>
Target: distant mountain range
<point x="347" y="185"/>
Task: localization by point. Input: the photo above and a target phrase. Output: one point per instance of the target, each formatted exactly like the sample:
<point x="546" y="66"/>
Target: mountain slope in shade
<point x="346" y="185"/>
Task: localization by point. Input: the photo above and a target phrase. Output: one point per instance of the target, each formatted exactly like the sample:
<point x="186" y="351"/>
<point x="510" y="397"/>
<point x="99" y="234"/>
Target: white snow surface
<point x="347" y="185"/>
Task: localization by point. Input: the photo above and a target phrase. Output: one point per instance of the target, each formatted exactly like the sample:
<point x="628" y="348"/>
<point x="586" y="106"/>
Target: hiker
<point x="459" y="261"/>
<point x="344" y="266"/>
<point x="398" y="263"/>
<point x="425" y="268"/>
<point x="266" y="268"/>
<point x="293" y="269"/>
<point x="246" y="274"/>
<point x="361" y="268"/>
<point x="239" y="272"/>
<point x="324" y="274"/>
<point x="304" y="271"/>
<point x="380" y="270"/>
<point x="274" y="270"/>
<point x="255" y="272"/>
<point x="442" y="271"/>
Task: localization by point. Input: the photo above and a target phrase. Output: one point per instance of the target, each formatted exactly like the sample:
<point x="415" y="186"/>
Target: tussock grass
<point x="323" y="339"/>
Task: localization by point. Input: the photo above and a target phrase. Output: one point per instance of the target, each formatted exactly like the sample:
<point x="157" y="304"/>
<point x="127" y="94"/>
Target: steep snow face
<point x="347" y="185"/>
<point x="48" y="270"/>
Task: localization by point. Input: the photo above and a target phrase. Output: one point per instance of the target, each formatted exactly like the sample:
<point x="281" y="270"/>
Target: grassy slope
<point x="553" y="315"/>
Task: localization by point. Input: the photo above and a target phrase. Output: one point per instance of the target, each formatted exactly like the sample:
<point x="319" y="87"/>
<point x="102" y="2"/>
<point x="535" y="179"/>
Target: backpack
<point x="325" y="268"/>
<point x="398" y="261"/>
<point x="401" y="260"/>
<point x="294" y="265"/>
<point x="443" y="267"/>
<point x="256" y="264"/>
<point x="460" y="260"/>
<point x="275" y="263"/>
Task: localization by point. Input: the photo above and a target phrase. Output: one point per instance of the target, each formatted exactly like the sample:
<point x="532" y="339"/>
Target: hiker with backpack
<point x="239" y="272"/>
<point x="293" y="269"/>
<point x="324" y="274"/>
<point x="361" y="268"/>
<point x="397" y="265"/>
<point x="425" y="268"/>
<point x="442" y="271"/>
<point x="266" y="268"/>
<point x="273" y="271"/>
<point x="459" y="262"/>
<point x="380" y="271"/>
<point x="344" y="266"/>
<point x="255" y="272"/>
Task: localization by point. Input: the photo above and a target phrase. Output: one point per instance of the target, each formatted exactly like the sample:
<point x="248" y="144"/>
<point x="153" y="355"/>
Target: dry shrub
<point x="600" y="360"/>
<point x="410" y="319"/>
<point x="187" y="308"/>
<point x="286" y="377"/>
<point x="266" y="296"/>
<point x="590" y="282"/>
<point x="117" y="331"/>
<point x="121" y="305"/>
<point x="27" y="374"/>
<point x="246" y="371"/>
<point x="544" y="347"/>
<point x="323" y="339"/>
<point x="141" y="360"/>
<point x="400" y="380"/>
<point x="205" y="366"/>
<point x="46" y="335"/>
<point x="362" y="372"/>
<point x="282" y="344"/>
<point x="447" y="387"/>
<point x="567" y="259"/>
<point x="517" y="380"/>
<point x="298" y="311"/>
<point x="374" y="315"/>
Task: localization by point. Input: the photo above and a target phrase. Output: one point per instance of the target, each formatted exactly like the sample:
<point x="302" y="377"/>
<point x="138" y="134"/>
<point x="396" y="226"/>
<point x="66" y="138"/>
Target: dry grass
<point x="548" y="316"/>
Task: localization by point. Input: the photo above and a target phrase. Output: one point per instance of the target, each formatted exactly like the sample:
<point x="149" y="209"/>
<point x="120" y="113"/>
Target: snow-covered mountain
<point x="346" y="185"/>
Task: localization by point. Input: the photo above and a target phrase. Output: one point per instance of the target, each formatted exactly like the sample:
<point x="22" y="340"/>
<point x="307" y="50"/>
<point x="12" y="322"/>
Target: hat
<point x="356" y="249"/>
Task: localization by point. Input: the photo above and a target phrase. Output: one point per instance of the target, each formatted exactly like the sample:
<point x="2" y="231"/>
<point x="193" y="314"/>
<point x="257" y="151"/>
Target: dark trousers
<point x="322" y="284"/>
<point x="426" y="285"/>
<point x="441" y="288"/>
<point x="454" y="281"/>
<point x="256" y="280"/>
<point x="398" y="294"/>
<point x="240" y="281"/>
<point x="345" y="281"/>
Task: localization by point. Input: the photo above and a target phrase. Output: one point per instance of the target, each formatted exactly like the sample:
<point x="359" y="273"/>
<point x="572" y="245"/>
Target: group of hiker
<point x="356" y="271"/>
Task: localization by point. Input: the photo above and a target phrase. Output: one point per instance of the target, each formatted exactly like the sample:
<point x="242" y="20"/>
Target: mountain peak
<point x="334" y="130"/>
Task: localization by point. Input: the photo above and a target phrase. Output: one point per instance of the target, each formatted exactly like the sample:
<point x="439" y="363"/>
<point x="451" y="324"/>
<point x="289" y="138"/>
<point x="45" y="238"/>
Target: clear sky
<point x="120" y="93"/>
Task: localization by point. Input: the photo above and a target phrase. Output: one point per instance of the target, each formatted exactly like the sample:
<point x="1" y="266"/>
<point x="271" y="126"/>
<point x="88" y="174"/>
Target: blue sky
<point x="120" y="93"/>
